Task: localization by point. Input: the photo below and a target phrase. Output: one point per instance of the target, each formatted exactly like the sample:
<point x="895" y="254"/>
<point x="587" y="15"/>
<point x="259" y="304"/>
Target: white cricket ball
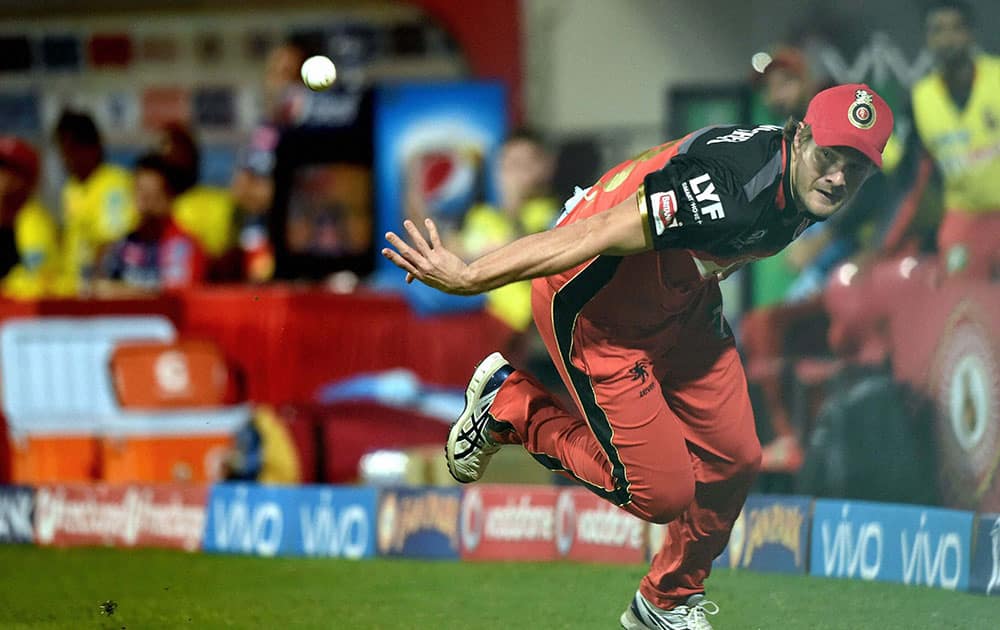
<point x="760" y="61"/>
<point x="318" y="73"/>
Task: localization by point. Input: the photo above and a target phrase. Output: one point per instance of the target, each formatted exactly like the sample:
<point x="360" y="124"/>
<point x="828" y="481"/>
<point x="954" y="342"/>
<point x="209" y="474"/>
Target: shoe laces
<point x="476" y="437"/>
<point x="697" y="615"/>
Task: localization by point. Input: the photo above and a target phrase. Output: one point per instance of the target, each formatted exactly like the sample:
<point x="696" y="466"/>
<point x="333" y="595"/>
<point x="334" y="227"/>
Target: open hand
<point x="429" y="262"/>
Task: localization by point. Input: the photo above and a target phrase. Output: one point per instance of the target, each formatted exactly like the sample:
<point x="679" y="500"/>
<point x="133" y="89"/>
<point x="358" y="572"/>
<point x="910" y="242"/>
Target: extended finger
<point x="400" y="262"/>
<point x="412" y="256"/>
<point x="418" y="239"/>
<point x="433" y="231"/>
<point x="407" y="252"/>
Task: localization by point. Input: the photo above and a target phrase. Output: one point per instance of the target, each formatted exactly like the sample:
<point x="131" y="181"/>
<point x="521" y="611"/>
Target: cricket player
<point x="626" y="297"/>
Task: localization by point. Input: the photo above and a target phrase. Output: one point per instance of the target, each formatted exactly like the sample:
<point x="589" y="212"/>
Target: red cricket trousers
<point x="663" y="425"/>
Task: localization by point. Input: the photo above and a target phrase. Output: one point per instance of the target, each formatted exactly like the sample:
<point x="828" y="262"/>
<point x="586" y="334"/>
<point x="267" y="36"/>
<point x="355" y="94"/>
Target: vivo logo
<point x="247" y="529"/>
<point x="930" y="564"/>
<point x="848" y="552"/>
<point x="327" y="532"/>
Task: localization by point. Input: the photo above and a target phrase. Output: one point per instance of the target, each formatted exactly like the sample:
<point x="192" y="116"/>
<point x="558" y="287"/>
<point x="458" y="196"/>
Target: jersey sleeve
<point x="696" y="203"/>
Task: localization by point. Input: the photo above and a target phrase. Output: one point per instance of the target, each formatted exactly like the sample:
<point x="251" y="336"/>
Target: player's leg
<point x="706" y="387"/>
<point x="623" y="442"/>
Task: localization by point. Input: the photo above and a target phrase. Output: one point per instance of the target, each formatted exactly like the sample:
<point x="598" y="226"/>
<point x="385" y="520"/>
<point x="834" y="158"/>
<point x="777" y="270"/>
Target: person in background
<point x="263" y="451"/>
<point x="158" y="254"/>
<point x="523" y="179"/>
<point x="957" y="113"/>
<point x="788" y="319"/>
<point x="205" y="212"/>
<point x="252" y="187"/>
<point x="98" y="207"/>
<point x="28" y="247"/>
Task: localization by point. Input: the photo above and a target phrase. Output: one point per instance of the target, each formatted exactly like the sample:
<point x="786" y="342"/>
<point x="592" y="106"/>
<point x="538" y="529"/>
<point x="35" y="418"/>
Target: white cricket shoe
<point x="692" y="615"/>
<point x="471" y="441"/>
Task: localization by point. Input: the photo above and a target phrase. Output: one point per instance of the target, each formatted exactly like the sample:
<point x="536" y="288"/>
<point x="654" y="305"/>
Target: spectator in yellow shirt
<point x="205" y="212"/>
<point x="98" y="206"/>
<point x="523" y="178"/>
<point x="27" y="231"/>
<point x="957" y="113"/>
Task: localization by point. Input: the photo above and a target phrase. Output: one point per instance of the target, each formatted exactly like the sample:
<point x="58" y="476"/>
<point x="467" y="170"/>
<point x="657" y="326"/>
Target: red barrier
<point x="290" y="341"/>
<point x="352" y="429"/>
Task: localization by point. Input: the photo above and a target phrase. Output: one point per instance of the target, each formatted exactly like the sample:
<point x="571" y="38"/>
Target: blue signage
<point x="891" y="543"/>
<point x="985" y="577"/>
<point x="17" y="507"/>
<point x="771" y="535"/>
<point x="421" y="523"/>
<point x="292" y="521"/>
<point x="440" y="139"/>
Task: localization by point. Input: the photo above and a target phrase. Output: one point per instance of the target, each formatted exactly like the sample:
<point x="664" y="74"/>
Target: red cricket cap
<point x="20" y="156"/>
<point x="851" y="115"/>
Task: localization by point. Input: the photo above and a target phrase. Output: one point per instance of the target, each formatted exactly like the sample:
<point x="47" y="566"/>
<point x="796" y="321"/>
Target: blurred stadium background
<point x="270" y="387"/>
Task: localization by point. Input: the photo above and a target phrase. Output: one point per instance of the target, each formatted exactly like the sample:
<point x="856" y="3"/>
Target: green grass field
<point x="51" y="588"/>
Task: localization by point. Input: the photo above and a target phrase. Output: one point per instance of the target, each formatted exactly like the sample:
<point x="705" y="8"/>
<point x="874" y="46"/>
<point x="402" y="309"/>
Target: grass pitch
<point x="53" y="588"/>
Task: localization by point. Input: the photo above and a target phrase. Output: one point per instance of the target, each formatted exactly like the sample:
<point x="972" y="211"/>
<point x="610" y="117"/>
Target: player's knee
<point x="667" y="502"/>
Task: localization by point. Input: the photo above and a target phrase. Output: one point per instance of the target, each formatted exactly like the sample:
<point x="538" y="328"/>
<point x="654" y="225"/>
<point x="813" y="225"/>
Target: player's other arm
<point x="618" y="231"/>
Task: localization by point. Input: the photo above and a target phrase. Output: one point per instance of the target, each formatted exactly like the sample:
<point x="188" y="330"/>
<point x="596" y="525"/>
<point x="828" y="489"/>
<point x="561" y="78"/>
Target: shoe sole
<point x="480" y="377"/>
<point x="629" y="621"/>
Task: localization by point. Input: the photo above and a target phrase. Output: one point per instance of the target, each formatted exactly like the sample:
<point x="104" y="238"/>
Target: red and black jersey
<point x="712" y="200"/>
<point x="723" y="195"/>
<point x="718" y="193"/>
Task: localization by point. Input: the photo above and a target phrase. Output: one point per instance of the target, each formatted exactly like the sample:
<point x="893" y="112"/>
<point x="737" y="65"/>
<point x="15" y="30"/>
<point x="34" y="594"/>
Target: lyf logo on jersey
<point x="704" y="192"/>
<point x="664" y="210"/>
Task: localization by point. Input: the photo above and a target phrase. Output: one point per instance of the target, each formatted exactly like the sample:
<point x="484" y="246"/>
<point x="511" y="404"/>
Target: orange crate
<point x="161" y="458"/>
<point x="54" y="459"/>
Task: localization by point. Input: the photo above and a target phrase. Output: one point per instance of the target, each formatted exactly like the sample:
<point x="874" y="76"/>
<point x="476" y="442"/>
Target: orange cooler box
<point x="56" y="458"/>
<point x="173" y="446"/>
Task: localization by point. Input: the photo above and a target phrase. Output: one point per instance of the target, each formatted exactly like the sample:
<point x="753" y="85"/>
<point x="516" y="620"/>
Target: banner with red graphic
<point x="590" y="529"/>
<point x="169" y="515"/>
<point x="508" y="522"/>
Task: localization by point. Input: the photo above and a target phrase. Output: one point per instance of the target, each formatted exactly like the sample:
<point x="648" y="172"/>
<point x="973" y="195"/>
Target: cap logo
<point x="862" y="111"/>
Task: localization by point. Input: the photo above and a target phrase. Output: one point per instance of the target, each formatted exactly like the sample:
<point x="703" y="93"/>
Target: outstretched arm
<point x="618" y="231"/>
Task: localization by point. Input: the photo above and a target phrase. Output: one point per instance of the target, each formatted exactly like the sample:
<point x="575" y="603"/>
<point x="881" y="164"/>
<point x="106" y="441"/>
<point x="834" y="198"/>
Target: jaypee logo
<point x="421" y="523"/>
<point x="737" y="540"/>
<point x="387" y="521"/>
